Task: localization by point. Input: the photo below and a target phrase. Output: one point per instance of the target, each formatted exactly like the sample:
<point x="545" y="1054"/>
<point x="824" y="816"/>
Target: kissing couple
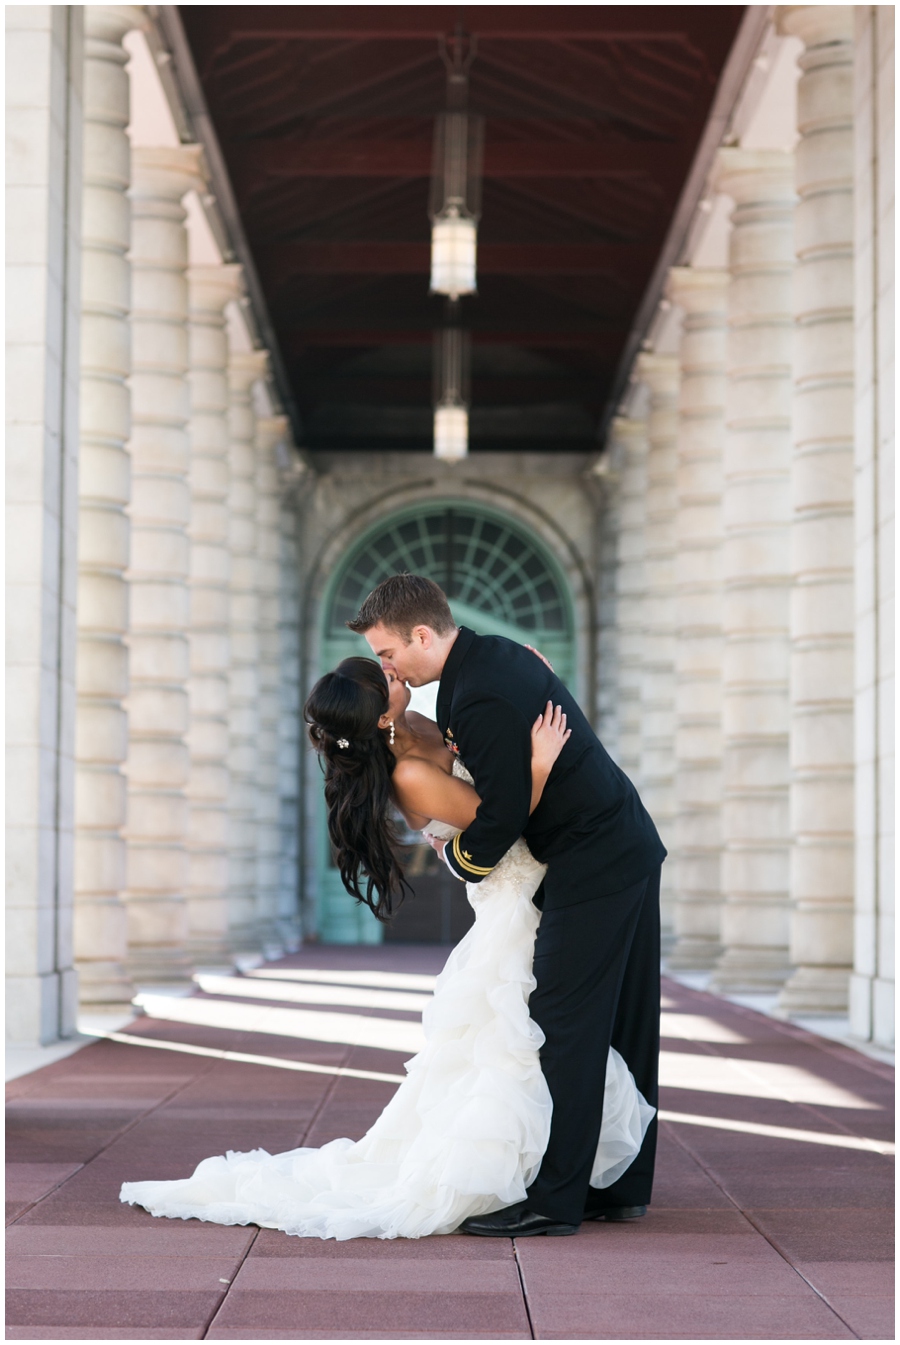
<point x="532" y="1105"/>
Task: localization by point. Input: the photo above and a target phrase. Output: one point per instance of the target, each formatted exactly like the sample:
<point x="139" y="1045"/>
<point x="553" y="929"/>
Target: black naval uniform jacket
<point x="590" y="815"/>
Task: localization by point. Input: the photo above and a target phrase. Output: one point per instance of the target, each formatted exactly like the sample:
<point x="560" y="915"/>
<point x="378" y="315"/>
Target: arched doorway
<point x="500" y="580"/>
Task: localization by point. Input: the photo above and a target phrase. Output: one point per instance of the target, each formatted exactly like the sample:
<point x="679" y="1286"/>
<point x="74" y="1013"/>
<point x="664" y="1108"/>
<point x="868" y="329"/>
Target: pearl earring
<point x="393" y="735"/>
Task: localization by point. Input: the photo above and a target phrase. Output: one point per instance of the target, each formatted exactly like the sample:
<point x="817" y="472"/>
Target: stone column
<point x="210" y="289"/>
<point x="822" y="613"/>
<point x="289" y="727"/>
<point x="872" y="982"/>
<point x="243" y="694"/>
<point x="657" y="771"/>
<point x="158" y="761"/>
<point x="104" y="490"/>
<point x="756" y="505"/>
<point x="43" y="94"/>
<point x="698" y="618"/>
<point x="270" y="431"/>
<point x="629" y="446"/>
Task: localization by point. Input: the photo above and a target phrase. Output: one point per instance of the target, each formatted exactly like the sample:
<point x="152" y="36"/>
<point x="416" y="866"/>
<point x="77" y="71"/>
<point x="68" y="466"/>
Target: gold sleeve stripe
<point x="464" y="863"/>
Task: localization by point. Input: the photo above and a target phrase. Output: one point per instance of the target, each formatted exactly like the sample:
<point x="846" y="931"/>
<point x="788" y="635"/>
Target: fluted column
<point x="872" y="984"/>
<point x="289" y="726"/>
<point x="158" y="761"/>
<point x="698" y="617"/>
<point x="822" y="609"/>
<point x="243" y="695"/>
<point x="756" y="504"/>
<point x="270" y="431"/>
<point x="629" y="445"/>
<point x="210" y="289"/>
<point x="104" y="491"/>
<point x="657" y="772"/>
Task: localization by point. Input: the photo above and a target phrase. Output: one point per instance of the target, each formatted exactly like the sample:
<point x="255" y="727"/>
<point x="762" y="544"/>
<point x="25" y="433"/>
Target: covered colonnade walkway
<point x="227" y="380"/>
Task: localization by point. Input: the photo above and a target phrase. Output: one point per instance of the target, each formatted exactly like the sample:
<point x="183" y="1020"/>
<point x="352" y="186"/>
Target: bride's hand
<point x="540" y="656"/>
<point x="549" y="736"/>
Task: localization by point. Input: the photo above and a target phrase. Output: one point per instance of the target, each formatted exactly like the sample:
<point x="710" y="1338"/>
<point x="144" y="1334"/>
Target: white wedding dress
<point x="464" y="1133"/>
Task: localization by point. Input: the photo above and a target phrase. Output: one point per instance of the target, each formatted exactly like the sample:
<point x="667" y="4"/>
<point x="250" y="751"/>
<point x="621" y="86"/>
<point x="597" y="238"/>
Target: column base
<point x="104" y="983"/>
<point x="692" y="953"/>
<point x="815" y="990"/>
<point x="160" y="966"/>
<point x="749" y="970"/>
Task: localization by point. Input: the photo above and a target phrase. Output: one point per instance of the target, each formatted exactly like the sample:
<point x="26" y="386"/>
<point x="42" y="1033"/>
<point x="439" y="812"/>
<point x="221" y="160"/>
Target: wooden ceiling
<point x="325" y="116"/>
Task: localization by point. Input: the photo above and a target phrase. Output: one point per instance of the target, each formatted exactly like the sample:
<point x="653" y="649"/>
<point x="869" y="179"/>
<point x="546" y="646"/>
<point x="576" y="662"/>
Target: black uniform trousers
<point x="597" y="969"/>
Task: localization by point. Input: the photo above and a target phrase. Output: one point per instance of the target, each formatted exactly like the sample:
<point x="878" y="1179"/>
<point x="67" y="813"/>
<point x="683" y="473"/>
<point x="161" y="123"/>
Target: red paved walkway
<point x="771" y="1218"/>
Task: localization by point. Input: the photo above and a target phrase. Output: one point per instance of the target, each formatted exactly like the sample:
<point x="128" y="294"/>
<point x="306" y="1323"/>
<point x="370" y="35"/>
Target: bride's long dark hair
<point x="342" y="713"/>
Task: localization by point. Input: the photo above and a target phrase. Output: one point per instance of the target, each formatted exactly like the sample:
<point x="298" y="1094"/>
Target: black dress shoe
<point x="516" y="1222"/>
<point x="617" y="1214"/>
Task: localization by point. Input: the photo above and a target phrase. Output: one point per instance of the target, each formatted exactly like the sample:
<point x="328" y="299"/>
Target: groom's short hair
<point x="402" y="602"/>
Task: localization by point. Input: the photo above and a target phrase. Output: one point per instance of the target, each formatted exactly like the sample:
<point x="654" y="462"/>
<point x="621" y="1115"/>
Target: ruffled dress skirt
<point x="464" y="1133"/>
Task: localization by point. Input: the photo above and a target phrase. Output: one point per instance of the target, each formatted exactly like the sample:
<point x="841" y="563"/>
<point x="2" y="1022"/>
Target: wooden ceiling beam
<point x="360" y="154"/>
<point x="517" y="23"/>
<point x="511" y="259"/>
<point x="600" y="341"/>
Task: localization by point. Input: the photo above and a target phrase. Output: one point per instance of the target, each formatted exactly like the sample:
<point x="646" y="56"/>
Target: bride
<point x="466" y="1130"/>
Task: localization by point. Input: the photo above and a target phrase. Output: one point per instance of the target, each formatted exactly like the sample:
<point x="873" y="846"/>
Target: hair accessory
<point x="342" y="743"/>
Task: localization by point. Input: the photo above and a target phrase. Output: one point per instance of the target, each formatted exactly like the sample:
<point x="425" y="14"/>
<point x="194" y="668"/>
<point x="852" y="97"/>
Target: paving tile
<point x="475" y="1313"/>
<point x="102" y="1308"/>
<point x="707" y="1272"/>
<point x="360" y="1274"/>
<point x="65" y="1211"/>
<point x="53" y="1332"/>
<point x="683" y="1317"/>
<point x="222" y="1333"/>
<point x="663" y="1225"/>
<point x="270" y="1243"/>
<point x="164" y="1237"/>
<point x="120" y="1272"/>
<point x="30" y="1181"/>
<point x="828" y="1234"/>
<point x="872" y="1318"/>
<point x="850" y="1277"/>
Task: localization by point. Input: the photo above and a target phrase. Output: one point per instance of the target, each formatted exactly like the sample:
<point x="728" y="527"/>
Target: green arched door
<point x="500" y="581"/>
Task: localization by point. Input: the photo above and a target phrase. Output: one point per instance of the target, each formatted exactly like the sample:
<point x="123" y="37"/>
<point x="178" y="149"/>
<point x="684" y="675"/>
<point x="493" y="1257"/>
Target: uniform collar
<point x="458" y="650"/>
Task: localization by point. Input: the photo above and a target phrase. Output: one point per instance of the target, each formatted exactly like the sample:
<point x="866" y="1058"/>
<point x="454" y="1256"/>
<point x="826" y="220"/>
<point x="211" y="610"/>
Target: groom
<point x="596" y="958"/>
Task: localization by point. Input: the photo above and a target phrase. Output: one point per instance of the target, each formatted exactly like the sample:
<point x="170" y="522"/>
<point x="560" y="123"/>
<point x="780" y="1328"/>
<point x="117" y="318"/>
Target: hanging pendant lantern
<point x="456" y="163"/>
<point x="451" y="410"/>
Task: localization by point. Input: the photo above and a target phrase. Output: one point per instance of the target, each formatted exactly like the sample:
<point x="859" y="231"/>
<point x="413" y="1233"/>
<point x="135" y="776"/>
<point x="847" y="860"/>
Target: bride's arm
<point x="425" y="793"/>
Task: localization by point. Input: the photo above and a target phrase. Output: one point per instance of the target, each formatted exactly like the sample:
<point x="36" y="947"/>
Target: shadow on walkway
<point x="771" y="1216"/>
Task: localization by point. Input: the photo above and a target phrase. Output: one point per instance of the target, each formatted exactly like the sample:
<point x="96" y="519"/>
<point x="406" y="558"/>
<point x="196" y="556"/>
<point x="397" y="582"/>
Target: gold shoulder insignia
<point x="466" y="855"/>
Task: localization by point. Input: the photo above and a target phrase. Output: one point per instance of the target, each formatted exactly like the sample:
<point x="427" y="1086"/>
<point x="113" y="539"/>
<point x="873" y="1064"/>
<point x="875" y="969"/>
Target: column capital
<point x="271" y="429"/>
<point x="212" y="286"/>
<point x="755" y="175"/>
<point x="247" y="367"/>
<point x="110" y="23"/>
<point x="816" y="25"/>
<point x="166" y="172"/>
<point x="628" y="431"/>
<point x="659" y="372"/>
<point x="700" y="289"/>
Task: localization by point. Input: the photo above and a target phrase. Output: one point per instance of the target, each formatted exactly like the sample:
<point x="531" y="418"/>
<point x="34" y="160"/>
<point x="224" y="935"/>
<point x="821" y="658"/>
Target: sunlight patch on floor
<point x="754" y="1078"/>
<point x="781" y="1132"/>
<point x="389" y="980"/>
<point x="358" y="997"/>
<point x="247" y="1058"/>
<point x="698" y="1027"/>
<point x="384" y="1034"/>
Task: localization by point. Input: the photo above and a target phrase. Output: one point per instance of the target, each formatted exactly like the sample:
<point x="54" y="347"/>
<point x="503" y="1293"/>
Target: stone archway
<point x="501" y="580"/>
